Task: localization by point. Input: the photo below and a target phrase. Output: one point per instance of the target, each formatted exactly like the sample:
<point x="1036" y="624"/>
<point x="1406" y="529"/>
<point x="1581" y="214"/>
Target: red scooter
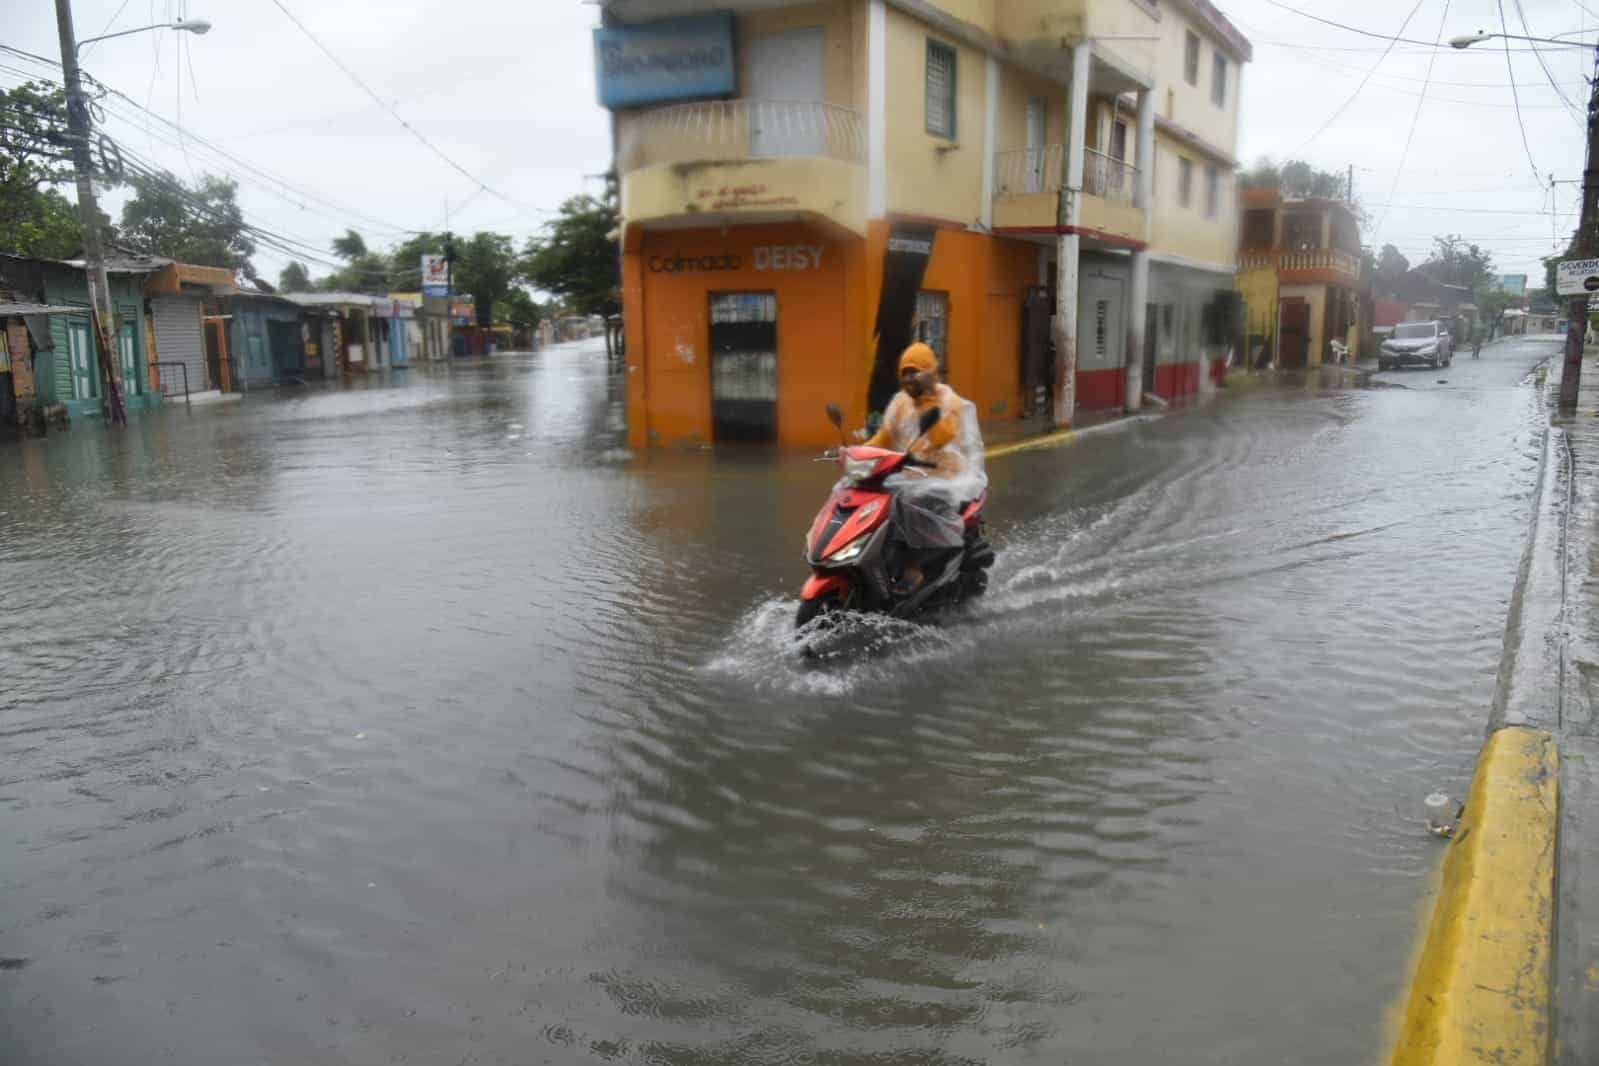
<point x="854" y="558"/>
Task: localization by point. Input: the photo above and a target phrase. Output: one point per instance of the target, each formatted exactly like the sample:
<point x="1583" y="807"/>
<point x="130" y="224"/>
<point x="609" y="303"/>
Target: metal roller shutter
<point x="178" y="340"/>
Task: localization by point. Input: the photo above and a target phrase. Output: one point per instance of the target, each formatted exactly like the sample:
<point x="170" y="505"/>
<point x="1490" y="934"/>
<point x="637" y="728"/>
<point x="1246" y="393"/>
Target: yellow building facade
<point x="824" y="181"/>
<point x="1299" y="276"/>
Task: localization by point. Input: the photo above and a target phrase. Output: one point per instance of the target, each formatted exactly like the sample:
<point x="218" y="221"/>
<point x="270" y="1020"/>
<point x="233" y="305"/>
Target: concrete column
<point x="876" y="109"/>
<point x="990" y="125"/>
<point x="1068" y="244"/>
<point x="1138" y="299"/>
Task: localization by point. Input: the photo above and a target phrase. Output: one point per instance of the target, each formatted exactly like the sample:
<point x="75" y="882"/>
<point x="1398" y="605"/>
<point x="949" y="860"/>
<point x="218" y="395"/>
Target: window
<point x="932" y="325"/>
<point x="1212" y="191"/>
<point x="1191" y="58"/>
<point x="1185" y="182"/>
<point x="940" y="90"/>
<point x="1218" y="80"/>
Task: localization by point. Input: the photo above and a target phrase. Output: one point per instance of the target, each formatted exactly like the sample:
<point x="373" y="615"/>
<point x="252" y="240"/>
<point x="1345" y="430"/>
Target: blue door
<point x="400" y="344"/>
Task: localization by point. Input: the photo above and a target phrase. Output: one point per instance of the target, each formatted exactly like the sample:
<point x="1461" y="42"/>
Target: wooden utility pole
<point x="1585" y="246"/>
<point x="79" y="127"/>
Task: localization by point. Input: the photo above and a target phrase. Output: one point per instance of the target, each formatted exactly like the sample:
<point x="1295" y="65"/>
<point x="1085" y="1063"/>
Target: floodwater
<point x="419" y="722"/>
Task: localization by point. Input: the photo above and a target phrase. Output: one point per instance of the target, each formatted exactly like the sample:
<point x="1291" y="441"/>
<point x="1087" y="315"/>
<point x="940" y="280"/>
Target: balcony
<point x="1027" y="186"/>
<point x="1303" y="266"/>
<point x="739" y="161"/>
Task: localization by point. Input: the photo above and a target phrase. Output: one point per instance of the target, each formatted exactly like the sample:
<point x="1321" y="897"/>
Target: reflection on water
<point x="417" y="721"/>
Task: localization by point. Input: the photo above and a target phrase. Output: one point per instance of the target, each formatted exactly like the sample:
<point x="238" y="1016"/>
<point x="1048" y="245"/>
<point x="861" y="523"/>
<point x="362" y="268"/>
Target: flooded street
<point x="419" y="722"/>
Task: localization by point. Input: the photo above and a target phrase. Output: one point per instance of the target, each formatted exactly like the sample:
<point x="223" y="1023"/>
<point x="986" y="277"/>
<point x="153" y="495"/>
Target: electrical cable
<point x="435" y="149"/>
<point x="1547" y="73"/>
<point x="1415" y="118"/>
<point x="1343" y="107"/>
<point x="1514" y="93"/>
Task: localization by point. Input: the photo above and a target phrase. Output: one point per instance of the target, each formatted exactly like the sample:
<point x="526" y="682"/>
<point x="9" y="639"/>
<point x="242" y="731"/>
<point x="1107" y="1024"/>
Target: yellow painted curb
<point x="1481" y="990"/>
<point x="1048" y="440"/>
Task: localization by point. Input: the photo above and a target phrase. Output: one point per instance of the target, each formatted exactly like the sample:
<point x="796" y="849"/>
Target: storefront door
<point x="130" y="360"/>
<point x="80" y="353"/>
<point x="744" y="366"/>
<point x="1294" y="328"/>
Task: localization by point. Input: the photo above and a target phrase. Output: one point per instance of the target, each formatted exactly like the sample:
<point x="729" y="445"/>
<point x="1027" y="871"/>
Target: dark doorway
<point x="1294" y="326"/>
<point x="744" y="366"/>
<point x="1151" y="325"/>
<point x="288" y="356"/>
<point x="213" y="353"/>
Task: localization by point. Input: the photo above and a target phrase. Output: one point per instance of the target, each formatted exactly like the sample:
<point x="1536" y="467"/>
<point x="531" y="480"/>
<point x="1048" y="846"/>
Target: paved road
<point x="419" y="722"/>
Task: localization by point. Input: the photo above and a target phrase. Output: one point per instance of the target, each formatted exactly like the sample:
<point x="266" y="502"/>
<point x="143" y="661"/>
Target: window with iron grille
<point x="1191" y="58"/>
<point x="1185" y="181"/>
<point x="932" y="325"/>
<point x="1218" y="80"/>
<point x="1212" y="191"/>
<point x="940" y="90"/>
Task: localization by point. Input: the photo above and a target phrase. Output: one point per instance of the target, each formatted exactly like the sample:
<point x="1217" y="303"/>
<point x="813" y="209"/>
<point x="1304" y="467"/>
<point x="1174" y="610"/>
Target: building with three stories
<point x="806" y="187"/>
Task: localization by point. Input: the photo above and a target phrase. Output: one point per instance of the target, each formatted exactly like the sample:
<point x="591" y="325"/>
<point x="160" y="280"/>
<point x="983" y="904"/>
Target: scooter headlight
<point x="857" y="470"/>
<point x="851" y="551"/>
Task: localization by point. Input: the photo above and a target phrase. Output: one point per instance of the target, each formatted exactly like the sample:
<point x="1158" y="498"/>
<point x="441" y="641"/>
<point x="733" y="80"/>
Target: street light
<point x="1466" y="40"/>
<point x="191" y="25"/>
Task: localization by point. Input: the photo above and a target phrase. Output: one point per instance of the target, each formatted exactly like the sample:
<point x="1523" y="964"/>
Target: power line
<point x="1431" y="46"/>
<point x="1415" y="118"/>
<point x="413" y="131"/>
<point x="1397" y="76"/>
<point x="1538" y="54"/>
<point x="1514" y="93"/>
<point x="1345" y="105"/>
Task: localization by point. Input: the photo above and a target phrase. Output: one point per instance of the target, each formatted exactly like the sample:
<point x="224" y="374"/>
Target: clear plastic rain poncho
<point x="929" y="500"/>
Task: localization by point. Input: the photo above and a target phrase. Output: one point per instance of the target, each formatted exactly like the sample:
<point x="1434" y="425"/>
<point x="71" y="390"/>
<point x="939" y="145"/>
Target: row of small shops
<point x="185" y="331"/>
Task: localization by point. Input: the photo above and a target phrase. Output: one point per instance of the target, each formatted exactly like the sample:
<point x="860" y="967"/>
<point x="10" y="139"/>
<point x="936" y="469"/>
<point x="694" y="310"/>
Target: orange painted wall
<point x="825" y="318"/>
<point x="668" y="328"/>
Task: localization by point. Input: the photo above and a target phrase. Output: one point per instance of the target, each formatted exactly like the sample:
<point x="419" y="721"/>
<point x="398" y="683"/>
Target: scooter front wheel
<point x="810" y="610"/>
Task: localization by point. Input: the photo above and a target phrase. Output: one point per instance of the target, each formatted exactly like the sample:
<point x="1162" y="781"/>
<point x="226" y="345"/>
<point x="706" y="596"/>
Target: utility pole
<point x="449" y="295"/>
<point x="1586" y="246"/>
<point x="89" y="215"/>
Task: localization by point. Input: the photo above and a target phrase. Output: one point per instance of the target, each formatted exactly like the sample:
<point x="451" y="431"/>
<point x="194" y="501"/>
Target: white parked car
<point x="1417" y="344"/>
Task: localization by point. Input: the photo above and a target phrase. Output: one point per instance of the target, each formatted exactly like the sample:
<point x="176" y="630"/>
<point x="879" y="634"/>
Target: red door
<point x="1294" y="330"/>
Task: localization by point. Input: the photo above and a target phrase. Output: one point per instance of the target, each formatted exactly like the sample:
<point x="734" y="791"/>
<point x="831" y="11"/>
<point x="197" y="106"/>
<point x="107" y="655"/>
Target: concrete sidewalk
<point x="1509" y="966"/>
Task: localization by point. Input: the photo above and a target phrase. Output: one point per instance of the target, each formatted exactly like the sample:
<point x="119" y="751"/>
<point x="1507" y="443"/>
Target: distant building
<point x="1299" y="274"/>
<point x="1514" y="284"/>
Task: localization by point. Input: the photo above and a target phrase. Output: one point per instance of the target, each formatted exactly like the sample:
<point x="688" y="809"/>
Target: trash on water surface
<point x="1442" y="814"/>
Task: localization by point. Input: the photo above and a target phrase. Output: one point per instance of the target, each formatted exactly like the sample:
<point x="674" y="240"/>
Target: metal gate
<point x="744" y="366"/>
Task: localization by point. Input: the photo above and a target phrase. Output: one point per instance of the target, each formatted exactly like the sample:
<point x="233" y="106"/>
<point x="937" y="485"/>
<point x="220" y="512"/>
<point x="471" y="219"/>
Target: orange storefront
<point x="747" y="332"/>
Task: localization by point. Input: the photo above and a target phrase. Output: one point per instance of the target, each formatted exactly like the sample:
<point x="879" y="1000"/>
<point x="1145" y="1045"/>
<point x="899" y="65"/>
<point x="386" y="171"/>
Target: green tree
<point x="1391" y="264"/>
<point x="1295" y="178"/>
<point x="192" y="224"/>
<point x="1551" y="267"/>
<point x="405" y="260"/>
<point x="35" y="219"/>
<point x="363" y="270"/>
<point x="294" y="278"/>
<point x="1456" y="261"/>
<point x="350" y="246"/>
<point x="519" y="309"/>
<point x="576" y="259"/>
<point x="485" y="266"/>
<point x="1491" y="308"/>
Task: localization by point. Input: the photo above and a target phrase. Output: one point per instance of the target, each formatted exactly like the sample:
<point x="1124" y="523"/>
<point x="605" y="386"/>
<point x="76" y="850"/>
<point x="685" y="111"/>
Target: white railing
<point x="1108" y="177"/>
<point x="738" y="129"/>
<point x="1301" y="259"/>
<point x="1030" y="170"/>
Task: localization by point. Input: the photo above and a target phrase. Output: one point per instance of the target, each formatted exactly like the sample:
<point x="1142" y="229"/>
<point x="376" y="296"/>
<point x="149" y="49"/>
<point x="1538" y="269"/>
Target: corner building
<point x="805" y="187"/>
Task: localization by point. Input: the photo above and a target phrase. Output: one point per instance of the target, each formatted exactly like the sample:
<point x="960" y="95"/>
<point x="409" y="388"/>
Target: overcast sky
<point x="505" y="89"/>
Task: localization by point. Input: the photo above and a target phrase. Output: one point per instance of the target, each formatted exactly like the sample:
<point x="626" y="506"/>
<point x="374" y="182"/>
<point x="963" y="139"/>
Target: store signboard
<point x="435" y="276"/>
<point x="670" y="59"/>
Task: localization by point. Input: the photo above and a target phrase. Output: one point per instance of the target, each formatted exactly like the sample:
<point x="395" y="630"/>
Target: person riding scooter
<point x="927" y="500"/>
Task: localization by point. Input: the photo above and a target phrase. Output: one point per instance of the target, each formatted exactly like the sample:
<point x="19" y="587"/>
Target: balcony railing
<point x="739" y="129"/>
<point x="1031" y="170"/>
<point x="1303" y="259"/>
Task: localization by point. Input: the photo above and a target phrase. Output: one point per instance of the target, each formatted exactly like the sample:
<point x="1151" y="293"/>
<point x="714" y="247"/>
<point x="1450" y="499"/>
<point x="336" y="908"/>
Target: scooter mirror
<point x="835" y="416"/>
<point x="930" y="419"/>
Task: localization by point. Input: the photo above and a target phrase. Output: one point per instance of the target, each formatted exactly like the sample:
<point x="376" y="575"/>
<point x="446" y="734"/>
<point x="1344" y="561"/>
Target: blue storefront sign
<point x="672" y="59"/>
